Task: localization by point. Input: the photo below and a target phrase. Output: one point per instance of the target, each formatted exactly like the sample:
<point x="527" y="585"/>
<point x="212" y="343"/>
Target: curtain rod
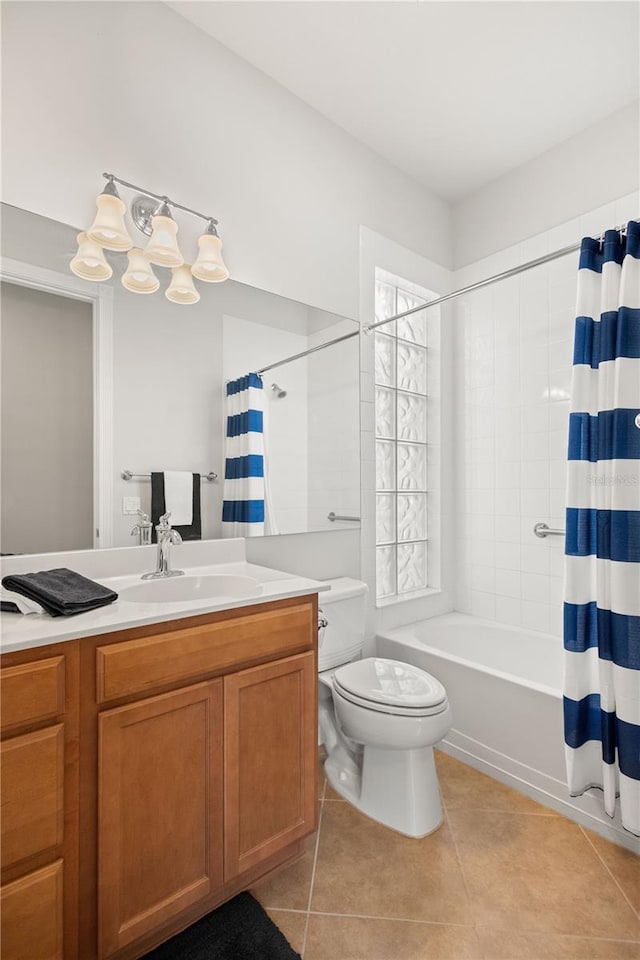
<point x="305" y="353"/>
<point x="513" y="272"/>
<point x="505" y="275"/>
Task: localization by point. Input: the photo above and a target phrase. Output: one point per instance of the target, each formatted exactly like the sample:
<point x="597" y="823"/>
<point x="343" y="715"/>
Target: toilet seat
<point x="390" y="686"/>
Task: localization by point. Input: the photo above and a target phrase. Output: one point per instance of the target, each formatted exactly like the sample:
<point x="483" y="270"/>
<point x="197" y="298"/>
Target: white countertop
<point x="22" y="632"/>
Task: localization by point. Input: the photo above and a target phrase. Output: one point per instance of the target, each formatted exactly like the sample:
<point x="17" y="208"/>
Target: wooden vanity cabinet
<point x="39" y="823"/>
<point x="206" y="755"/>
<point x="151" y="774"/>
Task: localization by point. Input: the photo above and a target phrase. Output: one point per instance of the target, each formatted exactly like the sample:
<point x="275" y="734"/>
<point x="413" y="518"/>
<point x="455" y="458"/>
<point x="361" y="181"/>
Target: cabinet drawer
<point x="139" y="666"/>
<point x="32" y="768"/>
<point x="32" y="916"/>
<point x="32" y="693"/>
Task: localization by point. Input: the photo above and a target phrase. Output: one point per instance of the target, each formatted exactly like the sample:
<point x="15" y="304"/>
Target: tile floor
<point x="503" y="879"/>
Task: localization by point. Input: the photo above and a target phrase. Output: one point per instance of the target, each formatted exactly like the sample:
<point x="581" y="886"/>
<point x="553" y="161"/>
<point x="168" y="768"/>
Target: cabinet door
<point x="160" y="810"/>
<point x="32" y="915"/>
<point x="270" y="759"/>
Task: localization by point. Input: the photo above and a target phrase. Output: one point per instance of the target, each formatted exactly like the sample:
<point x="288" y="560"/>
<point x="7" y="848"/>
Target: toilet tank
<point x="343" y="608"/>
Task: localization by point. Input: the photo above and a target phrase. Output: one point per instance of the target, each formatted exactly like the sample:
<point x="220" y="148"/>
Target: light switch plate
<point x="130" y="505"/>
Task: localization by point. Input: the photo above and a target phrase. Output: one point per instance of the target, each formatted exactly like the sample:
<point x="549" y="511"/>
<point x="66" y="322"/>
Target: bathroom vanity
<point x="151" y="772"/>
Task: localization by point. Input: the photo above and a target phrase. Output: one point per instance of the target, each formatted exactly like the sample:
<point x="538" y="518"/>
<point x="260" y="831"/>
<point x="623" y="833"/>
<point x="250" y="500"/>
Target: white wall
<point x="135" y="89"/>
<point x="167" y="412"/>
<point x="586" y="171"/>
<point x="514" y="350"/>
<point x="333" y="429"/>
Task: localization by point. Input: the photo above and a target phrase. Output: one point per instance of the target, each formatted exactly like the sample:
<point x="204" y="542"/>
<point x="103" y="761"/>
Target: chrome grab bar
<point x="543" y="530"/>
<point x="335" y="516"/>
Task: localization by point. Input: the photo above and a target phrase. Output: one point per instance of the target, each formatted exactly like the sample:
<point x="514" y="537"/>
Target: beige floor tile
<point x="292" y="925"/>
<point x="506" y="945"/>
<point x="624" y="865"/>
<point x="351" y="938"/>
<point x="289" y="889"/>
<point x="365" y="868"/>
<point x="537" y="874"/>
<point x="462" y="787"/>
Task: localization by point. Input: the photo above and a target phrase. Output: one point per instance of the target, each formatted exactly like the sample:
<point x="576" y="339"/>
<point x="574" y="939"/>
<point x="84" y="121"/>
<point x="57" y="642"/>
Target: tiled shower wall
<point x="512" y="363"/>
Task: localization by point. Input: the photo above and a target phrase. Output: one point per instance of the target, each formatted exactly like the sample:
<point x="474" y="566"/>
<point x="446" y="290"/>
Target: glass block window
<point x="401" y="399"/>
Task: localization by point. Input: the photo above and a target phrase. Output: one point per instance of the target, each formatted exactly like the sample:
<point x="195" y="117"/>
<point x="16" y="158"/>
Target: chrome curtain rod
<point x="505" y="275"/>
<point x="156" y="196"/>
<point x="305" y="353"/>
<point x="433" y="303"/>
<point x="513" y="272"/>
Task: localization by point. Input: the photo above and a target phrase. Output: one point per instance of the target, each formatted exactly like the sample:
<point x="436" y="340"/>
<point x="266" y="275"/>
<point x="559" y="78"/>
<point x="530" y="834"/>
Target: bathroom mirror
<point x="98" y="381"/>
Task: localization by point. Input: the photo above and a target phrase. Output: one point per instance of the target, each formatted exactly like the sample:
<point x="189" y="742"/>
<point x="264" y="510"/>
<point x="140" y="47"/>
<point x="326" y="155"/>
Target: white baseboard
<point x="586" y="810"/>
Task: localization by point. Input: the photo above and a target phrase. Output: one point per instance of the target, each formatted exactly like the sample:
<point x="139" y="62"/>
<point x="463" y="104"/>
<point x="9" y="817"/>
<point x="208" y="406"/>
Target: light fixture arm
<point x="110" y="177"/>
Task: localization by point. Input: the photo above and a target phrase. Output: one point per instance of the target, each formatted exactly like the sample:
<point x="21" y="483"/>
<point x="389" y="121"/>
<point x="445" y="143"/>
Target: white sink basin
<point x="176" y="589"/>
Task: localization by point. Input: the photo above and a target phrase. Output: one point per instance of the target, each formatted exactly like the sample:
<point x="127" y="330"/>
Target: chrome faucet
<point x="166" y="536"/>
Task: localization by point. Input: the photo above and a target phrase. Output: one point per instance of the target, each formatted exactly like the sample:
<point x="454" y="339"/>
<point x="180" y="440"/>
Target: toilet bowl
<point x="378" y="720"/>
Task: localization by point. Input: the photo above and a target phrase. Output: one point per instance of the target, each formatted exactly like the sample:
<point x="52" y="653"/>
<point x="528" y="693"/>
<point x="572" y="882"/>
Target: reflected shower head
<point x="279" y="392"/>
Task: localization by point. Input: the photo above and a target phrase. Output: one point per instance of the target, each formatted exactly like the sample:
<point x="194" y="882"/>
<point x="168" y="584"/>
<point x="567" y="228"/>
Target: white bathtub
<point x="505" y="689"/>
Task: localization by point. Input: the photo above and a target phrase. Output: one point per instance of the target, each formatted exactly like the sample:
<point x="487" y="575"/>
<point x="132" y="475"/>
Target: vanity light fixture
<point x="109" y="229"/>
<point x="162" y="248"/>
<point x="139" y="277"/>
<point x="152" y="214"/>
<point x="209" y="266"/>
<point x="89" y="262"/>
<point x="182" y="288"/>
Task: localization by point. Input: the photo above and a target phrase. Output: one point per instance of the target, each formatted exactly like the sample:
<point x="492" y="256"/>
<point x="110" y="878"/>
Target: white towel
<point x="24" y="604"/>
<point x="178" y="497"/>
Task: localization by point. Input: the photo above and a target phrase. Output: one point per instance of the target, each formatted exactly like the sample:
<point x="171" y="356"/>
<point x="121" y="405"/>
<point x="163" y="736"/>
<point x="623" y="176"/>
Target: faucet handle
<point x="163" y="522"/>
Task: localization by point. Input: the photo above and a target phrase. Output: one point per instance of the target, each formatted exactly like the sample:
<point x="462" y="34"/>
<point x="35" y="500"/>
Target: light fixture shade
<point x="210" y="266"/>
<point x="139" y="277"/>
<point x="89" y="262"/>
<point x="182" y="288"/>
<point x="162" y="248"/>
<point x="108" y="229"/>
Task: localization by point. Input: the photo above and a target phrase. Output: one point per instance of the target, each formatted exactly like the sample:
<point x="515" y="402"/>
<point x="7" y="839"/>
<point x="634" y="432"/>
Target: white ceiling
<point x="454" y="94"/>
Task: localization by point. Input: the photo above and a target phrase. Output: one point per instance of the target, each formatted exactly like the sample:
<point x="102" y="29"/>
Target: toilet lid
<point x="389" y="683"/>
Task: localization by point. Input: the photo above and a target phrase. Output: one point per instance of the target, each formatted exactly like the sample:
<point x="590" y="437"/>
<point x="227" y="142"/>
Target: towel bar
<point x="128" y="475"/>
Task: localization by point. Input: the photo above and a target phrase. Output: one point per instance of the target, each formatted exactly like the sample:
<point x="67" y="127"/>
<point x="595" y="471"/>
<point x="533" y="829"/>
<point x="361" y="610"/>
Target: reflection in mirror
<point x="98" y="380"/>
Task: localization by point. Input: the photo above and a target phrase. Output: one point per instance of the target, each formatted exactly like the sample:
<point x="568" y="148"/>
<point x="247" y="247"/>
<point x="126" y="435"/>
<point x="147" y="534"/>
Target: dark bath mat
<point x="238" y="930"/>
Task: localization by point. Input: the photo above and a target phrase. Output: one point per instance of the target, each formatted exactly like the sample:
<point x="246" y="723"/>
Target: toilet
<point x="378" y="720"/>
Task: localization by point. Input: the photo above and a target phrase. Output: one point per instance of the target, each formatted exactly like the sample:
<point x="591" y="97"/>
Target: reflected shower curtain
<point x="243" y="507"/>
<point x="602" y="586"/>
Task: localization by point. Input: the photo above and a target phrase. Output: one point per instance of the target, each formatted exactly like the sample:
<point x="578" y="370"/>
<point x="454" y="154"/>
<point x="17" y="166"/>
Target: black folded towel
<point x="60" y="592"/>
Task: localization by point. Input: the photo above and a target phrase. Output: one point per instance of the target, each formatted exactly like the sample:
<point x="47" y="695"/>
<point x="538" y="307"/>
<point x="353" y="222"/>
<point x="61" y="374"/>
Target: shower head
<point x="279" y="392"/>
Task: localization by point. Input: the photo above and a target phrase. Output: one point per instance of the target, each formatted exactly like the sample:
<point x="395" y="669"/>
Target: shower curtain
<point x="602" y="564"/>
<point x="243" y="507"/>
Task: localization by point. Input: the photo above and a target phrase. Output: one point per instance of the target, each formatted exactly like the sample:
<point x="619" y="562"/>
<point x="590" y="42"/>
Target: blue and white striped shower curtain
<point x="602" y="585"/>
<point x="243" y="507"/>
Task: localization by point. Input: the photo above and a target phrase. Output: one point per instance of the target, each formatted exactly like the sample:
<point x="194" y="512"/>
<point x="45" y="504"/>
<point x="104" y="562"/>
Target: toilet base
<point x="398" y="788"/>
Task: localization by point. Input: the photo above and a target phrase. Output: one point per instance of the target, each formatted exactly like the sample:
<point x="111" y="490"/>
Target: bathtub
<point x="505" y="689"/>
